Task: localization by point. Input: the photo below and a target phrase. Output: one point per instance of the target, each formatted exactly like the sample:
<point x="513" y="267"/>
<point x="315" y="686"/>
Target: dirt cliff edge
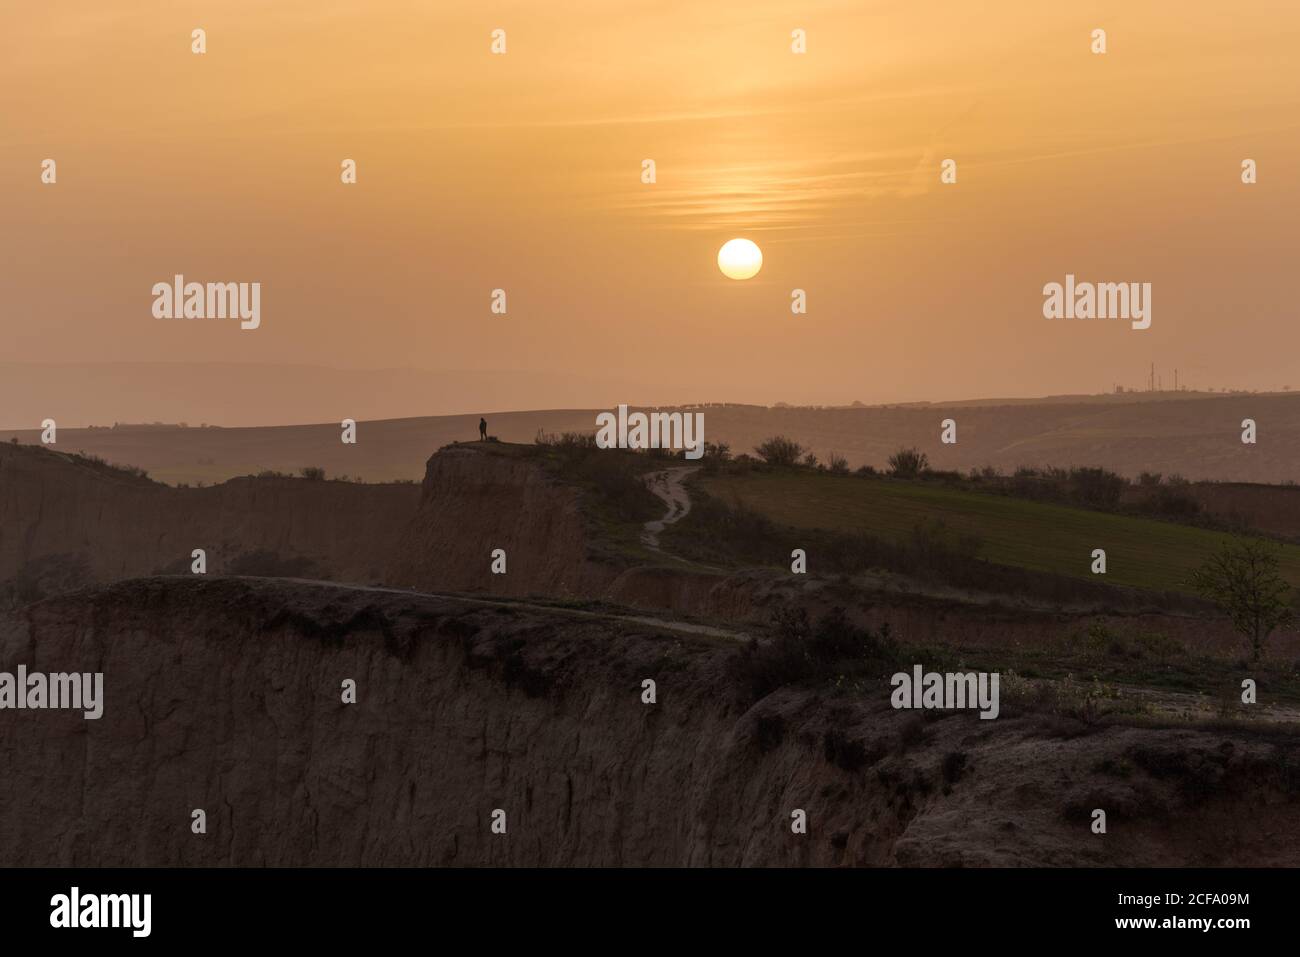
<point x="225" y="695"/>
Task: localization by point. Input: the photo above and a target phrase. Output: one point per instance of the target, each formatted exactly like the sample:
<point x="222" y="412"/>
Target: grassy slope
<point x="1140" y="552"/>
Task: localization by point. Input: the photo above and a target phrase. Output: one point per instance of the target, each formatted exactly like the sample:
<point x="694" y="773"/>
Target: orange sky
<point x="522" y="171"/>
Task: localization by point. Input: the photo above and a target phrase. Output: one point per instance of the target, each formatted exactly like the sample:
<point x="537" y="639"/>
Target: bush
<point x="103" y="464"/>
<point x="1070" y="707"/>
<point x="718" y="532"/>
<point x="800" y="651"/>
<point x="1102" y="641"/>
<point x="567" y="442"/>
<point x="908" y="463"/>
<point x="1096" y="487"/>
<point x="780" y="450"/>
<point x="616" y="481"/>
<point x="1174" y="503"/>
<point x="838" y="464"/>
<point x="313" y="472"/>
<point x="612" y="477"/>
<point x="716" y="454"/>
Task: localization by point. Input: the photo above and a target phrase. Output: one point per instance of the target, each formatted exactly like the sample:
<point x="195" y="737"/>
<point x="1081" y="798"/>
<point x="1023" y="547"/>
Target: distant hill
<point x="1195" y="435"/>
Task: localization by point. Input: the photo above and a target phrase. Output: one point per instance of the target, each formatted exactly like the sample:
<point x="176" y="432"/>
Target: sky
<point x="523" y="172"/>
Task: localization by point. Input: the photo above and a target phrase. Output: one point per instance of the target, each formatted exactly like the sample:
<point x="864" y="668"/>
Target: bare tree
<point x="1243" y="579"/>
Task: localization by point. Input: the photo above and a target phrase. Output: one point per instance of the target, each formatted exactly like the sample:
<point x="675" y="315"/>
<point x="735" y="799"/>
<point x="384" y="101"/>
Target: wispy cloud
<point x="772" y="194"/>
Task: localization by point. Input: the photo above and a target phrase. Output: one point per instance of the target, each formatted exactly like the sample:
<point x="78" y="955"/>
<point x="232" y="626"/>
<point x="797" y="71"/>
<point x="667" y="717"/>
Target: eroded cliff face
<point x="99" y="524"/>
<point x="474" y="502"/>
<point x="68" y="522"/>
<point x="225" y="695"/>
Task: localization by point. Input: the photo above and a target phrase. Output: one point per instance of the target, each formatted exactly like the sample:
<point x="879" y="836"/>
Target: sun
<point x="740" y="259"/>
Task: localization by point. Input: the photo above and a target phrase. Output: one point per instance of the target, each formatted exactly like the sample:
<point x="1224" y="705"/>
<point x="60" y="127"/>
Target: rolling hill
<point x="1141" y="552"/>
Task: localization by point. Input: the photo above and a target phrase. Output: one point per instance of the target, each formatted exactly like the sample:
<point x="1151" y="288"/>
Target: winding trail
<point x="667" y="486"/>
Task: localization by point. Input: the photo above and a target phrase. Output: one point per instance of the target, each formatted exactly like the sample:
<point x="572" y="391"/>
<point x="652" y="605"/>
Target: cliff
<point x="475" y="500"/>
<point x="84" y="522"/>
<point x="225" y="695"/>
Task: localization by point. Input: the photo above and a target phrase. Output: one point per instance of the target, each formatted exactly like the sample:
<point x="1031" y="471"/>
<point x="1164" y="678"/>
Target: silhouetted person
<point x="482" y="430"/>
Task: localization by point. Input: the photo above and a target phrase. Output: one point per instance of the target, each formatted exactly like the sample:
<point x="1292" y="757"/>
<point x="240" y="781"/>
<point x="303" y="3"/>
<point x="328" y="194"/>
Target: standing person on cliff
<point x="482" y="429"/>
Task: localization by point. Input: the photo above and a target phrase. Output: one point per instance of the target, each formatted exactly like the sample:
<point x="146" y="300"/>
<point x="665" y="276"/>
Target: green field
<point x="1140" y="552"/>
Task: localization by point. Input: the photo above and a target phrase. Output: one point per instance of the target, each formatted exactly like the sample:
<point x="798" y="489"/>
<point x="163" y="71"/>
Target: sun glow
<point x="740" y="259"/>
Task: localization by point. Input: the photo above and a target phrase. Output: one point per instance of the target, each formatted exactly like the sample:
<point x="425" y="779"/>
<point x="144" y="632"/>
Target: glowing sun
<point x="740" y="259"/>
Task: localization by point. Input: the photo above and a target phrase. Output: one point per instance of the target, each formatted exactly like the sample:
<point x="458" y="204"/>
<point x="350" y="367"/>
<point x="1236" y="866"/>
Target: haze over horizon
<point x="234" y="395"/>
<point x="478" y="172"/>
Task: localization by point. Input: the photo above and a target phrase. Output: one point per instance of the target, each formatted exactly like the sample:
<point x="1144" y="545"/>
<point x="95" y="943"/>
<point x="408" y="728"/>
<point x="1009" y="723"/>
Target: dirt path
<point x="687" y="627"/>
<point x="667" y="486"/>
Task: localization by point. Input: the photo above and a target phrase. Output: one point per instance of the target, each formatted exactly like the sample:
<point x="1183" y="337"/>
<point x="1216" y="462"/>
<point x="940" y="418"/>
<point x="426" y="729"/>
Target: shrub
<point x="716" y="453"/>
<point x="102" y="464"/>
<point x="313" y="472"/>
<point x="908" y="463"/>
<point x="838" y="464"/>
<point x="612" y="477"/>
<point x="1174" y="503"/>
<point x="800" y="651"/>
<point x="1096" y="487"/>
<point x="1070" y="707"/>
<point x="567" y="442"/>
<point x="779" y="450"/>
<point x="716" y="531"/>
